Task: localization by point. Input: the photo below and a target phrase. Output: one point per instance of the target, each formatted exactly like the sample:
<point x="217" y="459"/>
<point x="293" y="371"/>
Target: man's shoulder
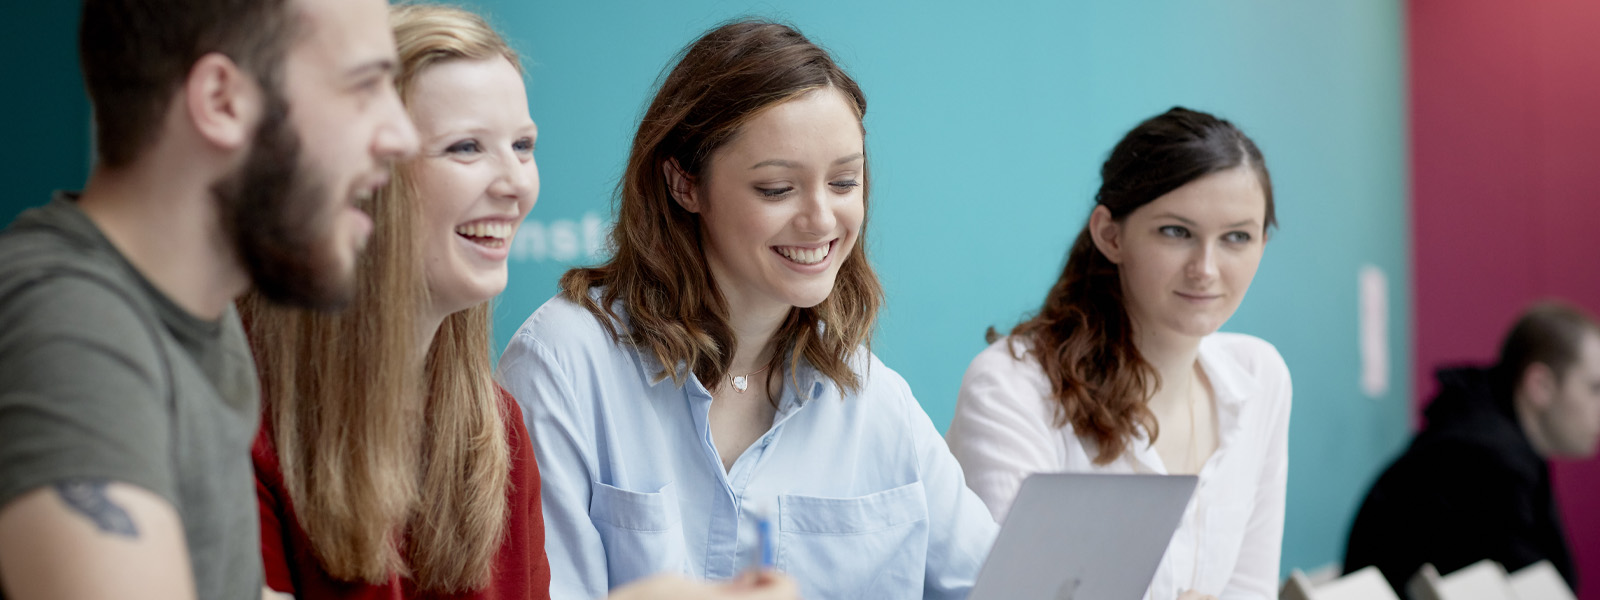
<point x="1435" y="465"/>
<point x="35" y="255"/>
<point x="75" y="330"/>
<point x="62" y="290"/>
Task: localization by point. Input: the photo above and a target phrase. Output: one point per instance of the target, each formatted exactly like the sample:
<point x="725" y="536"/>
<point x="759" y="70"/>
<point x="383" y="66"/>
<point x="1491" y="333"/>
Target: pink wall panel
<point x="1505" y="123"/>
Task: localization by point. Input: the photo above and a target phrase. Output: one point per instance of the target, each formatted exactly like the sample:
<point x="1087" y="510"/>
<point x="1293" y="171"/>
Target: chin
<point x="808" y="300"/>
<point x="484" y="293"/>
<point x="1196" y="329"/>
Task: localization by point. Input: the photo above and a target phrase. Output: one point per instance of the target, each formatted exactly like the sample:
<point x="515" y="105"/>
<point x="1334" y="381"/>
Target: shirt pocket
<point x="642" y="531"/>
<point x="872" y="546"/>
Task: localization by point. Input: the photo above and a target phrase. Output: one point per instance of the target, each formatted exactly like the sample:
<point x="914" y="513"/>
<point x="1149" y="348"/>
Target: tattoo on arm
<point x="88" y="498"/>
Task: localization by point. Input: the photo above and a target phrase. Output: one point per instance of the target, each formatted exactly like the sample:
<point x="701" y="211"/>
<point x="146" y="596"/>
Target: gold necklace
<point x="742" y="382"/>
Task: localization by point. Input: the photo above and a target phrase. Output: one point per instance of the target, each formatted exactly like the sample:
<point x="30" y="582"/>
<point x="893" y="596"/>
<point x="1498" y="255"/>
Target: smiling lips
<point x="803" y="255"/>
<point x="489" y="234"/>
<point x="1192" y="297"/>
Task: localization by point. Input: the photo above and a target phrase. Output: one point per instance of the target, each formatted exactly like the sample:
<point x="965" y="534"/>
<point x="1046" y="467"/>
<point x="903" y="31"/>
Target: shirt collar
<point x="812" y="384"/>
<point x="1231" y="383"/>
<point x="1231" y="386"/>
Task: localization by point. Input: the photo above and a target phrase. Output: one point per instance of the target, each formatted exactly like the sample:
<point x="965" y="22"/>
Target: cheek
<point x="853" y="213"/>
<point x="1146" y="272"/>
<point x="446" y="191"/>
<point x="526" y="204"/>
<point x="1243" y="270"/>
<point x="748" y="225"/>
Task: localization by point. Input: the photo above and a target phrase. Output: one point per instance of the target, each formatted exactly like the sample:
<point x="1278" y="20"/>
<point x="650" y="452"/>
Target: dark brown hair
<point x="1082" y="336"/>
<point x="658" y="272"/>
<point x="1549" y="333"/>
<point x="136" y="53"/>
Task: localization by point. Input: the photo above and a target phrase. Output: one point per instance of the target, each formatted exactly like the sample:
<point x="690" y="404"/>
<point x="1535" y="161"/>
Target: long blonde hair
<point x="391" y="470"/>
<point x="658" y="273"/>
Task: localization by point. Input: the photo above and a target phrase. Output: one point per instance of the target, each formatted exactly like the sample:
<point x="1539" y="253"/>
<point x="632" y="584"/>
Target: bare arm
<point x="93" y="539"/>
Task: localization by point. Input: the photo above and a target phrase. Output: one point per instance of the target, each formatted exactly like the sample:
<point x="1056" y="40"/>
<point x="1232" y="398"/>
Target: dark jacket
<point x="1469" y="487"/>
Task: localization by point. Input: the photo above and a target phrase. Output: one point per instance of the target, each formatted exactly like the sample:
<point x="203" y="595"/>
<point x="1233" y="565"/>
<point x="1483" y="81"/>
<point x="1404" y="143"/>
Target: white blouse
<point x="1229" y="540"/>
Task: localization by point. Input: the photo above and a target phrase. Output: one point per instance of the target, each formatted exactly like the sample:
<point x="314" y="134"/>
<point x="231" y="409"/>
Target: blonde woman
<point x="389" y="463"/>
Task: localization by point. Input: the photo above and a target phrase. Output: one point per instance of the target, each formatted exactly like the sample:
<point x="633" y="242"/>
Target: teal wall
<point x="44" y="133"/>
<point x="986" y="128"/>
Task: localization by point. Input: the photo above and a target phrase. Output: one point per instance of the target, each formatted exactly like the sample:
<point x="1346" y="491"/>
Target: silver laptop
<point x="1080" y="536"/>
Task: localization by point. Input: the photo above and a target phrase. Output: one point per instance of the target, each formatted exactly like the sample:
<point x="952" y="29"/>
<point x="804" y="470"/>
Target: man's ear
<point x="1106" y="233"/>
<point x="680" y="185"/>
<point x="1538" y="385"/>
<point x="223" y="102"/>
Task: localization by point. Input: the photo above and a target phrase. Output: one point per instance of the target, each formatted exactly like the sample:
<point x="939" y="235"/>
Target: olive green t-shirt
<point x="102" y="377"/>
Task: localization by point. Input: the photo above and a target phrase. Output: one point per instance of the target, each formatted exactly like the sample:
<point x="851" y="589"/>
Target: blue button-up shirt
<point x="863" y="496"/>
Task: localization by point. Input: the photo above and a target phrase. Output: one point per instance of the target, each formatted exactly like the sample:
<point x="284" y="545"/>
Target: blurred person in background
<point x="1475" y="483"/>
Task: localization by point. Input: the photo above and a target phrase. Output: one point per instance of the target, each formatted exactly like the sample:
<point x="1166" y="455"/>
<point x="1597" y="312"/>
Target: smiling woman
<point x="1123" y="370"/>
<point x="366" y="483"/>
<point x="713" y="375"/>
<point x="476" y="168"/>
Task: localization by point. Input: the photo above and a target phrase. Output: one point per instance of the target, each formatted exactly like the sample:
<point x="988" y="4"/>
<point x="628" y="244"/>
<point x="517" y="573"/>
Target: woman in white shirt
<point x="1123" y="370"/>
<point x="712" y="376"/>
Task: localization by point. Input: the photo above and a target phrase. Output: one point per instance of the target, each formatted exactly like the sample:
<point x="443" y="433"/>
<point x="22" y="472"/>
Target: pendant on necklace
<point x="740" y="382"/>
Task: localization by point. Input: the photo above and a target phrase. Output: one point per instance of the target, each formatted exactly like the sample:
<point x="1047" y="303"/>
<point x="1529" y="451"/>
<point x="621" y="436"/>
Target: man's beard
<point x="274" y="209"/>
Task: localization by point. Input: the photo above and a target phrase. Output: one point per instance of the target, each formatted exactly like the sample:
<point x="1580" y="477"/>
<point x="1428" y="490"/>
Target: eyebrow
<point x="453" y="132"/>
<point x="789" y="164"/>
<point x="1194" y="224"/>
<point x="379" y="65"/>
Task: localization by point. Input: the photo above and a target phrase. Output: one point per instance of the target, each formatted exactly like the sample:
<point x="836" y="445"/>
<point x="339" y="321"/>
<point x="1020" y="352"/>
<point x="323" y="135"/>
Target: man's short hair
<point x="136" y="53"/>
<point x="1548" y="333"/>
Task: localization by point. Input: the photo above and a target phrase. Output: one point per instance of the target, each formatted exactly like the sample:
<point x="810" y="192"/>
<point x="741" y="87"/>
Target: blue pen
<point x="764" y="534"/>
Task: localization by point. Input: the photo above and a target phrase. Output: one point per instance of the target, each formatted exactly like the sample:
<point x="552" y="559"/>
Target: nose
<point x="1202" y="265"/>
<point x="518" y="178"/>
<point x="816" y="213"/>
<point x="396" y="137"/>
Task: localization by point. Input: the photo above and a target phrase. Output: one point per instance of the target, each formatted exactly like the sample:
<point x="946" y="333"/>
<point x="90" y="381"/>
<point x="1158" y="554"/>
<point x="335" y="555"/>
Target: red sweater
<point x="520" y="568"/>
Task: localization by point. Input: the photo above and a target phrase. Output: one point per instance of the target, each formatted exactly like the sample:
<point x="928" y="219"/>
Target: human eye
<point x="844" y="185"/>
<point x="523" y="145"/>
<point x="1174" y="231"/>
<point x="1237" y="237"/>
<point x="774" y="192"/>
<point x="464" y="147"/>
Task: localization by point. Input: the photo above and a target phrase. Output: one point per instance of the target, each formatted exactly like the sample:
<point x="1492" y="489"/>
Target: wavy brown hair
<point x="658" y="273"/>
<point x="1082" y="336"/>
<point x="392" y="469"/>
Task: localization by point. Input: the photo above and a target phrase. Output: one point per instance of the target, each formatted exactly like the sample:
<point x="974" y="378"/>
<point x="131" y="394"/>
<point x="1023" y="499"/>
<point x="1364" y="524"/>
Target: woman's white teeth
<point x="804" y="256"/>
<point x="499" y="231"/>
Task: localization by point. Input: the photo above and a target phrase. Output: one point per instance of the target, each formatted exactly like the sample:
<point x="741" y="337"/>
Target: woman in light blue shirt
<point x="713" y="374"/>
